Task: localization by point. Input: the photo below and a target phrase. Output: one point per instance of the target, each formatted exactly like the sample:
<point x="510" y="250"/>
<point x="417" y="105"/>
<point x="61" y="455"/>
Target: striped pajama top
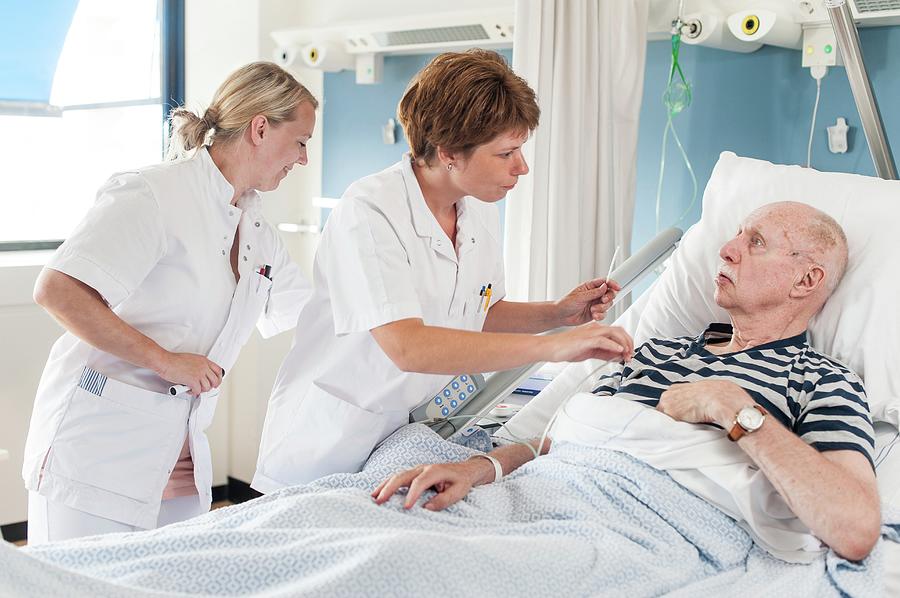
<point x="819" y="399"/>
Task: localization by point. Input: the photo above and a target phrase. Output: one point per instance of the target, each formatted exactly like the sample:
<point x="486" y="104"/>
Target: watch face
<point x="750" y="418"/>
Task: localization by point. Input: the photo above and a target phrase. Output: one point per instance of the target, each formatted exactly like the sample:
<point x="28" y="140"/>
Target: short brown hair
<point x="463" y="99"/>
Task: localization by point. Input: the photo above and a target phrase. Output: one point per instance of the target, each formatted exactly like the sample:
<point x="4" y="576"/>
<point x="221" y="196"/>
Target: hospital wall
<point x="757" y="105"/>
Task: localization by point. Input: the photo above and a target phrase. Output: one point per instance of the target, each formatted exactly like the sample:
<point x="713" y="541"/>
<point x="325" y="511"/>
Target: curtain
<point x="585" y="61"/>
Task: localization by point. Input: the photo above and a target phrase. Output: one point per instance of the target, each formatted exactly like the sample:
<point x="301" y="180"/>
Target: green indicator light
<point x="828" y="48"/>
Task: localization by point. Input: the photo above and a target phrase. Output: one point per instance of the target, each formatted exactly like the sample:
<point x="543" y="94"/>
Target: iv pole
<point x="848" y="43"/>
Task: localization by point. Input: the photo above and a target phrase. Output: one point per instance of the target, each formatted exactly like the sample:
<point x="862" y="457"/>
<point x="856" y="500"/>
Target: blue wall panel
<point x="757" y="105"/>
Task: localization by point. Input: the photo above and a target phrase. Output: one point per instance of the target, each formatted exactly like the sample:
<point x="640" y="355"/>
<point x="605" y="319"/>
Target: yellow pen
<point x="487" y="298"/>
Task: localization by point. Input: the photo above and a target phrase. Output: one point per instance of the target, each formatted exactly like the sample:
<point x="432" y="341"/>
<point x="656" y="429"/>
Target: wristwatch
<point x="748" y="420"/>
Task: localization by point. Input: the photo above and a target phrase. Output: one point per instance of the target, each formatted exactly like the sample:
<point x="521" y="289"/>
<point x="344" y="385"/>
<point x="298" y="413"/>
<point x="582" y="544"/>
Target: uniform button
<point x="231" y="212"/>
<point x="439" y="242"/>
<point x="225" y="238"/>
<point x="248" y="248"/>
<point x="245" y="258"/>
<point x="223" y="252"/>
<point x="473" y="239"/>
<point x="256" y="224"/>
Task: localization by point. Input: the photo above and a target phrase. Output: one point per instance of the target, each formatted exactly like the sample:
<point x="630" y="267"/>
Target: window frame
<point x="171" y="95"/>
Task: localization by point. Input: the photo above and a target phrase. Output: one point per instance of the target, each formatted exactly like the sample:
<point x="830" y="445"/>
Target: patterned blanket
<point x="577" y="522"/>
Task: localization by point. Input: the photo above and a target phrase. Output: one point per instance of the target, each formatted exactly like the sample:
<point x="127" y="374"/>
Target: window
<point x="118" y="72"/>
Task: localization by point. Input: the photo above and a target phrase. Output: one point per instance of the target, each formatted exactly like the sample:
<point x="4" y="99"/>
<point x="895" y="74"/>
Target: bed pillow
<point x="860" y="324"/>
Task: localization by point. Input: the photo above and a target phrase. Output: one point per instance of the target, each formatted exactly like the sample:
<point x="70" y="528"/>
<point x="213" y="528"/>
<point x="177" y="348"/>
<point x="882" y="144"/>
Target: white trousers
<point x="49" y="521"/>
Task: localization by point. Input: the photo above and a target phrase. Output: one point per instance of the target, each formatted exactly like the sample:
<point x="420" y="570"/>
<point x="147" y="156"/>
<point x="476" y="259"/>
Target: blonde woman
<point x="410" y="286"/>
<point x="158" y="289"/>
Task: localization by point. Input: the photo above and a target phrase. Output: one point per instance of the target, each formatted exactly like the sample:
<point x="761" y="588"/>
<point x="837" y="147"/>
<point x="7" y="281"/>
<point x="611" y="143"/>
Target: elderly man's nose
<point x="729" y="252"/>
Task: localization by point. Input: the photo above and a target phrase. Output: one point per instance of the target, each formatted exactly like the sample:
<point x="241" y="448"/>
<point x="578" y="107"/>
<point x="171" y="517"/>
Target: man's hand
<point x="705" y="401"/>
<point x="451" y="481"/>
<point x="588" y="301"/>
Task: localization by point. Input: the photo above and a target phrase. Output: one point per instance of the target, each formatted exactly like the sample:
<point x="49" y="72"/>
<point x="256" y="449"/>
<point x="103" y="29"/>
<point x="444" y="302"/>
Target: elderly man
<point x="800" y="416"/>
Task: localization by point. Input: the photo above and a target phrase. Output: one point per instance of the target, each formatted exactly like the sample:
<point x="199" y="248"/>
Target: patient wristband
<point x="498" y="470"/>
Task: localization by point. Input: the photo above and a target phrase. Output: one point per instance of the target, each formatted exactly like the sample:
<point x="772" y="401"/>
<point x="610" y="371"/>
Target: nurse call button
<point x="445" y="411"/>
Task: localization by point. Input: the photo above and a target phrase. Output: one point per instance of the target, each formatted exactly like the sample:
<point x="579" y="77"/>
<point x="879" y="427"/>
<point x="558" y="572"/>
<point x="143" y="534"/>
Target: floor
<point x="215" y="505"/>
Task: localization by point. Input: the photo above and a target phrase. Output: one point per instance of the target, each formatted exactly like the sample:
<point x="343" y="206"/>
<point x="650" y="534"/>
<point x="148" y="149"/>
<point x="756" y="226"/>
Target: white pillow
<point x="860" y="324"/>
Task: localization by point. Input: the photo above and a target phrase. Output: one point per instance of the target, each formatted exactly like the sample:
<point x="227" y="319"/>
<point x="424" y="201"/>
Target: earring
<point x="449" y="167"/>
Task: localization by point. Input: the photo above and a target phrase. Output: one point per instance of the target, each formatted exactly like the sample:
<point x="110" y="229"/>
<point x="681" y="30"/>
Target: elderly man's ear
<point x="809" y="283"/>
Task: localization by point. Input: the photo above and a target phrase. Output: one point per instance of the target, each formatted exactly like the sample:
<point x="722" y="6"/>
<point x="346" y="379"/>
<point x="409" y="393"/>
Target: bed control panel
<point x="449" y="399"/>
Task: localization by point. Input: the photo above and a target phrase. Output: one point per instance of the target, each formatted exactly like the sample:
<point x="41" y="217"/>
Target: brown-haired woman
<point x="158" y="288"/>
<point x="409" y="282"/>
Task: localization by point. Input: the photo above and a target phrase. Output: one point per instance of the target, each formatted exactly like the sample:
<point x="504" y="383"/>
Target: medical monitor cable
<point x="502" y="422"/>
<point x="818" y="73"/>
<point x="676" y="97"/>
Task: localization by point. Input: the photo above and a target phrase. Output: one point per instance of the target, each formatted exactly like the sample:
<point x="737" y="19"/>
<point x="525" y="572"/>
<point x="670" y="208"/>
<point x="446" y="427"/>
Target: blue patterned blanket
<point x="577" y="522"/>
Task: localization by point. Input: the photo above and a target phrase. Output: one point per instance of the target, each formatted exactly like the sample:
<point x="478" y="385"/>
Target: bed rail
<point x="500" y="384"/>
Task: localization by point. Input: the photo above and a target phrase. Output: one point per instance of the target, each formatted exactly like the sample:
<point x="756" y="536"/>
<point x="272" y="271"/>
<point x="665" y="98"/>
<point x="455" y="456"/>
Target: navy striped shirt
<point x="820" y="400"/>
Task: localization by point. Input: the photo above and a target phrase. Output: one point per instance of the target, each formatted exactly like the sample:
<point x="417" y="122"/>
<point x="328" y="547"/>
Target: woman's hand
<point x="591" y="341"/>
<point x="194" y="371"/>
<point x="588" y="301"/>
<point x="451" y="481"/>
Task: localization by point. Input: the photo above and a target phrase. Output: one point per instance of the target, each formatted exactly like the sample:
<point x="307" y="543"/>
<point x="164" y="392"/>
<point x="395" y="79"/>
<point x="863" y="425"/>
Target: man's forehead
<point x="770" y="222"/>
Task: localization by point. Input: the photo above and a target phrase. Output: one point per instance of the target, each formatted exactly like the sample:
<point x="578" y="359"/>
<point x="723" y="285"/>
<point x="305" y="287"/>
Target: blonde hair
<point x="257" y="88"/>
<point x="461" y="100"/>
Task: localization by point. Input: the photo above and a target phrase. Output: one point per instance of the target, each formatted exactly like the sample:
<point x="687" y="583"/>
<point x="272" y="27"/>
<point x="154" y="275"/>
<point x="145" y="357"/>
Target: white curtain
<point x="585" y="61"/>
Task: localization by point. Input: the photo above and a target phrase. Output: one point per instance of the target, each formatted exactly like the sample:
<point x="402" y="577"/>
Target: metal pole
<point x="848" y="43"/>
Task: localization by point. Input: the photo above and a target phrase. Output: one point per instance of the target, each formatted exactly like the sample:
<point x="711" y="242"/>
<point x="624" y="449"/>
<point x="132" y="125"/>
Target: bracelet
<point x="498" y="470"/>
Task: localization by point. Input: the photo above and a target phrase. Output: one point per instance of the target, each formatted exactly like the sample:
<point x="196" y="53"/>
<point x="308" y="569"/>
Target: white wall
<point x="313" y="13"/>
<point x="26" y="335"/>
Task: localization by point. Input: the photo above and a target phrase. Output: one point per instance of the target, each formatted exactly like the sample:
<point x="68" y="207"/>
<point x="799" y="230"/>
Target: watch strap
<point x="737" y="430"/>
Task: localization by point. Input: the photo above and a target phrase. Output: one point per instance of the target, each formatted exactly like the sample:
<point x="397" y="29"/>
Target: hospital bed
<point x="859" y="326"/>
<point x="355" y="548"/>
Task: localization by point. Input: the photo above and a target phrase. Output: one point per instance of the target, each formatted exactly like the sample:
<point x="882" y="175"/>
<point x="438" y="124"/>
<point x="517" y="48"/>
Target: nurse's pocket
<point x="340" y="435"/>
<point x="119" y="438"/>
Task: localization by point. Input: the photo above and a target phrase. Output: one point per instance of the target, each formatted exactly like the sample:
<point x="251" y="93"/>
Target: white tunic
<point x="383" y="257"/>
<point x="156" y="245"/>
